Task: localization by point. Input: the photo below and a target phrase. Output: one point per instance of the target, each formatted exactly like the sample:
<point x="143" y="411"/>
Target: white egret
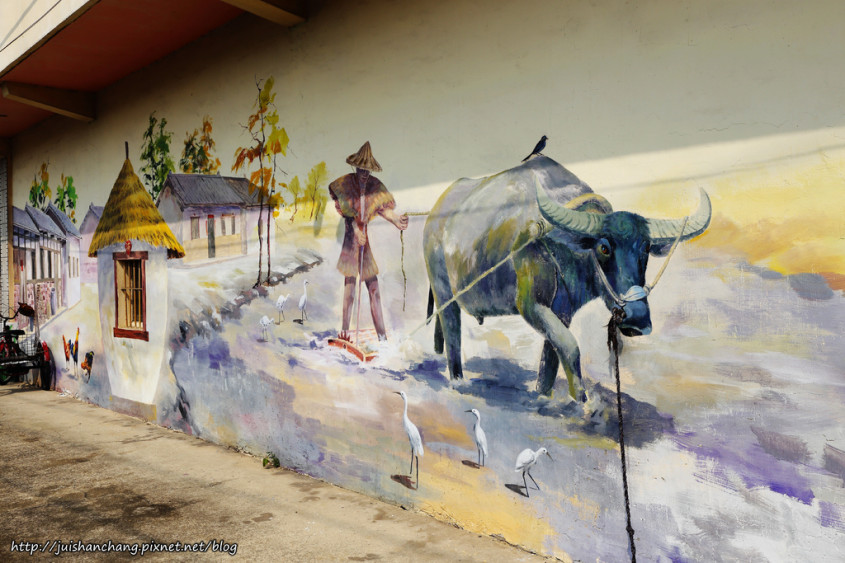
<point x="480" y="438"/>
<point x="280" y="305"/>
<point x="528" y="459"/>
<point x="413" y="437"/>
<point x="265" y="323"/>
<point x="303" y="302"/>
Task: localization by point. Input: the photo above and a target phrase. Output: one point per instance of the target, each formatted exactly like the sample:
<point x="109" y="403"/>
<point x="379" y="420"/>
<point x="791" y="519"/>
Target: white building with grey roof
<point x="71" y="255"/>
<point x="214" y="217"/>
<point x="46" y="250"/>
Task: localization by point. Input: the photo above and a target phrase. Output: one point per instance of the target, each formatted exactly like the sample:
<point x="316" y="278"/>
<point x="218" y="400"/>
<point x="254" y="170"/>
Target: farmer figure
<point x="359" y="197"/>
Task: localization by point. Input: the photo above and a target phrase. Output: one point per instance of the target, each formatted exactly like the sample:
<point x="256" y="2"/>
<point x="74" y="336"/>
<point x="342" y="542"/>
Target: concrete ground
<point x="73" y="475"/>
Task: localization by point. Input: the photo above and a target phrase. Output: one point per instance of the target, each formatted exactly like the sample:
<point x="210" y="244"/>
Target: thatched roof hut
<point x="130" y="213"/>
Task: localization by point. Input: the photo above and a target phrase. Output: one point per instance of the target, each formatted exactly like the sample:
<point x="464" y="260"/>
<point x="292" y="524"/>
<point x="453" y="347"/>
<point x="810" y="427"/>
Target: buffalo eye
<point x="604" y="248"/>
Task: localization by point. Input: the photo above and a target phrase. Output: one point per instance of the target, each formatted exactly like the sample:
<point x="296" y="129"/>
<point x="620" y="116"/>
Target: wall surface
<point x="733" y="404"/>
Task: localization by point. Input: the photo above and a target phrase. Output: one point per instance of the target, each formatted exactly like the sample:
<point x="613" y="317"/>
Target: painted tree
<point x="155" y="155"/>
<point x="66" y="197"/>
<point x="295" y="190"/>
<point x="318" y="193"/>
<point x="197" y="154"/>
<point x="39" y="191"/>
<point x="269" y="140"/>
<point x="313" y="194"/>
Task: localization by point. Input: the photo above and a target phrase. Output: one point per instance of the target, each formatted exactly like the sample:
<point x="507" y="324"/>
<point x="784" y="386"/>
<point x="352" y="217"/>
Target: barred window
<point x="131" y="295"/>
<point x="195" y="228"/>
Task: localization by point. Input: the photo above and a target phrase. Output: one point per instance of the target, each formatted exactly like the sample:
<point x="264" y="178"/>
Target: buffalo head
<point x="619" y="244"/>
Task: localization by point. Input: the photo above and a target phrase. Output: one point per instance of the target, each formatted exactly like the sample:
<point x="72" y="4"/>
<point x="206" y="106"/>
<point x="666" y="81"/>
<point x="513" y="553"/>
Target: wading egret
<point x="303" y="302"/>
<point x="413" y="437"/>
<point x="280" y="305"/>
<point x="265" y="323"/>
<point x="480" y="438"/>
<point x="528" y="459"/>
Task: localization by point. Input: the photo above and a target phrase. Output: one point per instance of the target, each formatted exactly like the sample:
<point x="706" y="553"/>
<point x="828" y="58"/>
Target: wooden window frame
<point x="197" y="219"/>
<point x="132" y="333"/>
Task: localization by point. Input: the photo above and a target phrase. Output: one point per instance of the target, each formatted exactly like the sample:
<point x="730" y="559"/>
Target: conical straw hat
<point x="364" y="159"/>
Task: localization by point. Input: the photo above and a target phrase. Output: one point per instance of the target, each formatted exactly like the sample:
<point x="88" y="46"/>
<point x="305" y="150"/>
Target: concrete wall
<point x="447" y="90"/>
<point x="736" y="449"/>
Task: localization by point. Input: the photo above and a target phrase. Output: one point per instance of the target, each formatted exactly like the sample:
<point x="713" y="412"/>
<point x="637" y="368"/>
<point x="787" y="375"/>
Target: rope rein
<point x="472" y="284"/>
<point x="634" y="293"/>
<point x="402" y="259"/>
<point x="613" y="347"/>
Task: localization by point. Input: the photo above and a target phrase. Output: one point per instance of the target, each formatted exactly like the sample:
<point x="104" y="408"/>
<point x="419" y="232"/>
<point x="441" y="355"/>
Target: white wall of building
<point x="450" y="89"/>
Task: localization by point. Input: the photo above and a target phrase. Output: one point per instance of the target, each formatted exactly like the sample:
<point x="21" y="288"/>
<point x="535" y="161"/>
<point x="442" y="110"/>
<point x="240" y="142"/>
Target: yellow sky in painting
<point x="777" y="202"/>
<point x="787" y="217"/>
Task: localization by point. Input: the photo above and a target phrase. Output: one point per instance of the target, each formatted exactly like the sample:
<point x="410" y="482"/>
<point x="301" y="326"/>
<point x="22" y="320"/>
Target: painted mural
<point x="363" y="335"/>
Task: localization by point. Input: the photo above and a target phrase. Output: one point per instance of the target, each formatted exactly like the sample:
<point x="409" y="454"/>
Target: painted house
<point x="49" y="285"/>
<point x="88" y="266"/>
<point x="132" y="244"/>
<point x="25" y="252"/>
<point x="70" y="255"/>
<point x="212" y="216"/>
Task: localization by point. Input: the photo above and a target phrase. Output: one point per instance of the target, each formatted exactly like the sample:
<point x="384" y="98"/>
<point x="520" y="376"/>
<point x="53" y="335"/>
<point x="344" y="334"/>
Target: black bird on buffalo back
<point x="538" y="148"/>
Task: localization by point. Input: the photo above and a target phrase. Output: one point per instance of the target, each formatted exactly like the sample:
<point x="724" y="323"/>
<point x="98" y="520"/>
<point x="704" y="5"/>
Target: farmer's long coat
<point x="346" y="195"/>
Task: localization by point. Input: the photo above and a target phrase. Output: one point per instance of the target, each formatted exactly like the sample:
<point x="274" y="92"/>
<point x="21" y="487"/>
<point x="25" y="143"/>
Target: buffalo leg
<point x="451" y="319"/>
<point x="438" y="336"/>
<point x="549" y="325"/>
<point x="549" y="362"/>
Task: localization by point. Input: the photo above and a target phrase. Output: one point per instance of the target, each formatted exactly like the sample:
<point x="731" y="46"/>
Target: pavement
<point x="75" y="477"/>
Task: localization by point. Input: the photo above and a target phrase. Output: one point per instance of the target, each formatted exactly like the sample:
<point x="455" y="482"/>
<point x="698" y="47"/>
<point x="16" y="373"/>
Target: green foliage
<point x="66" y="197"/>
<point x="317" y="192"/>
<point x="295" y="189"/>
<point x="309" y="201"/>
<point x="39" y="191"/>
<point x="196" y="156"/>
<point x="155" y="155"/>
<point x="270" y="460"/>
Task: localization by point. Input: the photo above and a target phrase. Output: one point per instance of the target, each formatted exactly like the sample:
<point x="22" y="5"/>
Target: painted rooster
<point x="75" y="351"/>
<point x="71" y="348"/>
<point x="88" y="362"/>
<point x="66" y="347"/>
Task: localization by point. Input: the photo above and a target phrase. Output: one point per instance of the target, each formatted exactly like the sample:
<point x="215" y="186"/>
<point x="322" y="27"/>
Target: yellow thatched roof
<point x="131" y="214"/>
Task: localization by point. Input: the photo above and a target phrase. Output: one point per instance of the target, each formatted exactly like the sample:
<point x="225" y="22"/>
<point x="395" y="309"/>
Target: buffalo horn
<point x="665" y="231"/>
<point x="560" y="216"/>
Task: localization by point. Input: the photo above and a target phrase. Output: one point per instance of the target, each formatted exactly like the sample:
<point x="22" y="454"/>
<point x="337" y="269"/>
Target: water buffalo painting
<point x="537" y="241"/>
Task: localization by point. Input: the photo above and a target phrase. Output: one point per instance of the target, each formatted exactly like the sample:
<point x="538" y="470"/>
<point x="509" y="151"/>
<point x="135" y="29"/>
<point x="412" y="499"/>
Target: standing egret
<point x="280" y="305"/>
<point x="265" y="323"/>
<point x="413" y="437"/>
<point x="303" y="302"/>
<point x="528" y="459"/>
<point x="480" y="438"/>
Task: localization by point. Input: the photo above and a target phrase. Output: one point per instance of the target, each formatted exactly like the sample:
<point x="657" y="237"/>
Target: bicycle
<point x="19" y="353"/>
